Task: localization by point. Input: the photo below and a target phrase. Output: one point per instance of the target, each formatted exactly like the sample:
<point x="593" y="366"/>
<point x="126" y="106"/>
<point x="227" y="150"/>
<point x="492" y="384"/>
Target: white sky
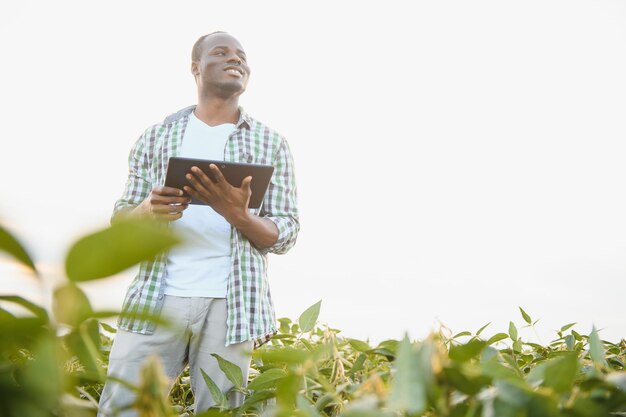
<point x="454" y="159"/>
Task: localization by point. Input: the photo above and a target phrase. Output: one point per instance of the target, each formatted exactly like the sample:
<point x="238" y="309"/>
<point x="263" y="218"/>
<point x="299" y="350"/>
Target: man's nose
<point x="234" y="58"/>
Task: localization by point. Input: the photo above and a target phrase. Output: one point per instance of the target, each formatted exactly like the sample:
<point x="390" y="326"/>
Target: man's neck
<point x="215" y="111"/>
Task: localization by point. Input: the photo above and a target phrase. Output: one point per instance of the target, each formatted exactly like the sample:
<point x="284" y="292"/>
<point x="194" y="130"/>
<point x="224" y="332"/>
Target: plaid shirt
<point x="249" y="303"/>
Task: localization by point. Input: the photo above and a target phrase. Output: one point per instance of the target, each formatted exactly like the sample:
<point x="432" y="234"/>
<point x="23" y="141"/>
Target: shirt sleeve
<point x="280" y="202"/>
<point x="138" y="184"/>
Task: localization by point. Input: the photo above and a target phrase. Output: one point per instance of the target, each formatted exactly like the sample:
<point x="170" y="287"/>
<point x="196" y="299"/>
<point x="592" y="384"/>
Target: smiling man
<point x="214" y="288"/>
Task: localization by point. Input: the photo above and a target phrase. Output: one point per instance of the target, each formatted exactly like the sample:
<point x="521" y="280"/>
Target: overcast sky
<point x="455" y="160"/>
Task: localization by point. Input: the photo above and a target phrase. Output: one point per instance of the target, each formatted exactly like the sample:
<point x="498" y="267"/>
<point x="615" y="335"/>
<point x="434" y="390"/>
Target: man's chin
<point x="227" y="89"/>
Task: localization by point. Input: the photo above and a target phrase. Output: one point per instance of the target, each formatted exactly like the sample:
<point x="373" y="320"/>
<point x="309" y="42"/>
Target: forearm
<point x="261" y="232"/>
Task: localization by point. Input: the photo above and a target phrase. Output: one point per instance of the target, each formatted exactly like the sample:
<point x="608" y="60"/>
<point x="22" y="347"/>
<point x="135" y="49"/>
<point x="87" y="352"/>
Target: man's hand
<point x="230" y="202"/>
<point x="163" y="203"/>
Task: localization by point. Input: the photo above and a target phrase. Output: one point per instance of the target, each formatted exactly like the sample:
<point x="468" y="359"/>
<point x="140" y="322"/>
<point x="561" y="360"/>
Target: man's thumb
<point x="245" y="184"/>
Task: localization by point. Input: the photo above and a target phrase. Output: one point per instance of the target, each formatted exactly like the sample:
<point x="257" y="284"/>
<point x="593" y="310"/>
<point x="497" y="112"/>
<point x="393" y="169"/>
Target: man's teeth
<point x="234" y="72"/>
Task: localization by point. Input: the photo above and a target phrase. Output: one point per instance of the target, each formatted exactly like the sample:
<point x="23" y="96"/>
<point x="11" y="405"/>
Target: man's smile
<point x="237" y="72"/>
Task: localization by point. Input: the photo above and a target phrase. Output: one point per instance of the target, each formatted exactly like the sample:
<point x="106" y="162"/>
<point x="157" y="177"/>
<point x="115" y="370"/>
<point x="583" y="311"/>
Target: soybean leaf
<point x="232" y="371"/>
<point x="408" y="392"/>
<point x="108" y="328"/>
<point x="567" y="327"/>
<point x="213" y="412"/>
<point x="463" y="353"/>
<point x="525" y="316"/>
<point x="40" y="312"/>
<point x="116" y="248"/>
<point x="216" y="393"/>
<point x="482" y="328"/>
<point x="282" y="354"/>
<point x="596" y="350"/>
<point x="70" y="304"/>
<point x="496" y="338"/>
<point x="10" y="245"/>
<point x="561" y="372"/>
<point x="84" y="342"/>
<point x="305" y="407"/>
<point x="358" y="364"/>
<point x="359" y="345"/>
<point x="267" y="379"/>
<point x="512" y="331"/>
<point x="308" y="319"/>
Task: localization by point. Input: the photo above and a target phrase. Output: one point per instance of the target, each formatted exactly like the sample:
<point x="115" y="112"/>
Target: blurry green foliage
<point x="55" y="364"/>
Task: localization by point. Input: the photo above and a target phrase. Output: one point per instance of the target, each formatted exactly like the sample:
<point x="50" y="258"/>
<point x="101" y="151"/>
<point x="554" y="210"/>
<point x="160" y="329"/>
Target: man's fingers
<point x="169" y="208"/>
<point x="219" y="178"/>
<point x="163" y="190"/>
<point x="201" y="178"/>
<point x="195" y="194"/>
<point x="164" y="199"/>
<point x="198" y="184"/>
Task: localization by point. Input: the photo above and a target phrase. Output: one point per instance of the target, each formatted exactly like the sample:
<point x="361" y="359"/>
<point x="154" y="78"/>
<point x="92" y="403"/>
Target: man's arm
<point x="139" y="199"/>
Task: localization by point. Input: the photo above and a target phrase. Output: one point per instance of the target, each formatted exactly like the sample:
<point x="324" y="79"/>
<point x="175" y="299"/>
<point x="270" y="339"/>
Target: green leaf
<point x="359" y="345"/>
<point x="482" y="328"/>
<point x="216" y="393"/>
<point x="496" y="338"/>
<point x="358" y="365"/>
<point x="84" y="342"/>
<point x="116" y="248"/>
<point x="408" y="392"/>
<point x="232" y="371"/>
<point x="465" y="333"/>
<point x="10" y="245"/>
<point x="282" y="354"/>
<point x="305" y="406"/>
<point x="525" y="316"/>
<point x="512" y="331"/>
<point x="558" y="373"/>
<point x="213" y="412"/>
<point x="308" y="319"/>
<point x="567" y="327"/>
<point x="267" y="379"/>
<point x="596" y="350"/>
<point x="108" y="328"/>
<point x="70" y="304"/>
<point x="466" y="378"/>
<point x="463" y="353"/>
<point x="30" y="306"/>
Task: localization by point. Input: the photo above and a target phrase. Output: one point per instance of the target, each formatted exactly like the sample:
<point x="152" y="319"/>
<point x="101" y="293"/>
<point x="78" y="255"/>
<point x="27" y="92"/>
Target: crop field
<point x="54" y="363"/>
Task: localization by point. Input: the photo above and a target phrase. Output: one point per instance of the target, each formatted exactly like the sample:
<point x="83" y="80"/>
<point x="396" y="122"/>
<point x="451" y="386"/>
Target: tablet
<point x="234" y="173"/>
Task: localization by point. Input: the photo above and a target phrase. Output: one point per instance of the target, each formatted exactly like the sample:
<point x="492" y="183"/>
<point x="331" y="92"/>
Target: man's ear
<point x="194" y="69"/>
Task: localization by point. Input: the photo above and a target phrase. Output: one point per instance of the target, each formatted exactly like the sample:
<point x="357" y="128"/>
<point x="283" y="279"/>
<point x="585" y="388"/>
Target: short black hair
<point x="196" y="51"/>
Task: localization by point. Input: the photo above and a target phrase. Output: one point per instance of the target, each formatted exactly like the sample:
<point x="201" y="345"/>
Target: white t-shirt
<point x="200" y="266"/>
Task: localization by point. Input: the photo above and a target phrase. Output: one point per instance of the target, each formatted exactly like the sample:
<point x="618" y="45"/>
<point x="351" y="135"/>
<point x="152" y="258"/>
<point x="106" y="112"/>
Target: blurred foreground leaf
<point x="70" y="304"/>
<point x="116" y="248"/>
<point x="9" y="244"/>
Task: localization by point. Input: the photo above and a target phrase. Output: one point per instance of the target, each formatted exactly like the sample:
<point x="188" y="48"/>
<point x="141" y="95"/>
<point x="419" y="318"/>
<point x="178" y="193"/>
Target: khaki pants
<point x="198" y="329"/>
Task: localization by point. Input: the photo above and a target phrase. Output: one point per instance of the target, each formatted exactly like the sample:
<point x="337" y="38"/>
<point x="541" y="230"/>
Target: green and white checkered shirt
<point x="249" y="304"/>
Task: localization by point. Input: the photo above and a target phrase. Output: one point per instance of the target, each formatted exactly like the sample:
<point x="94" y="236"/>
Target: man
<point x="214" y="287"/>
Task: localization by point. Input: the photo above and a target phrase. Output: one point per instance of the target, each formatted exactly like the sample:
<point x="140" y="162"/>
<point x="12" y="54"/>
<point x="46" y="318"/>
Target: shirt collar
<point x="244" y="119"/>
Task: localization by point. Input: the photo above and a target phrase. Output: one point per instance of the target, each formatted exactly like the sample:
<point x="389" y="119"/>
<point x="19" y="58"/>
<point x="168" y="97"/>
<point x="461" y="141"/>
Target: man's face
<point x="223" y="67"/>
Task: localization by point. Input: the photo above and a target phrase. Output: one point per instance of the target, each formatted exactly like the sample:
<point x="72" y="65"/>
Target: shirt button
<point x="160" y="296"/>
